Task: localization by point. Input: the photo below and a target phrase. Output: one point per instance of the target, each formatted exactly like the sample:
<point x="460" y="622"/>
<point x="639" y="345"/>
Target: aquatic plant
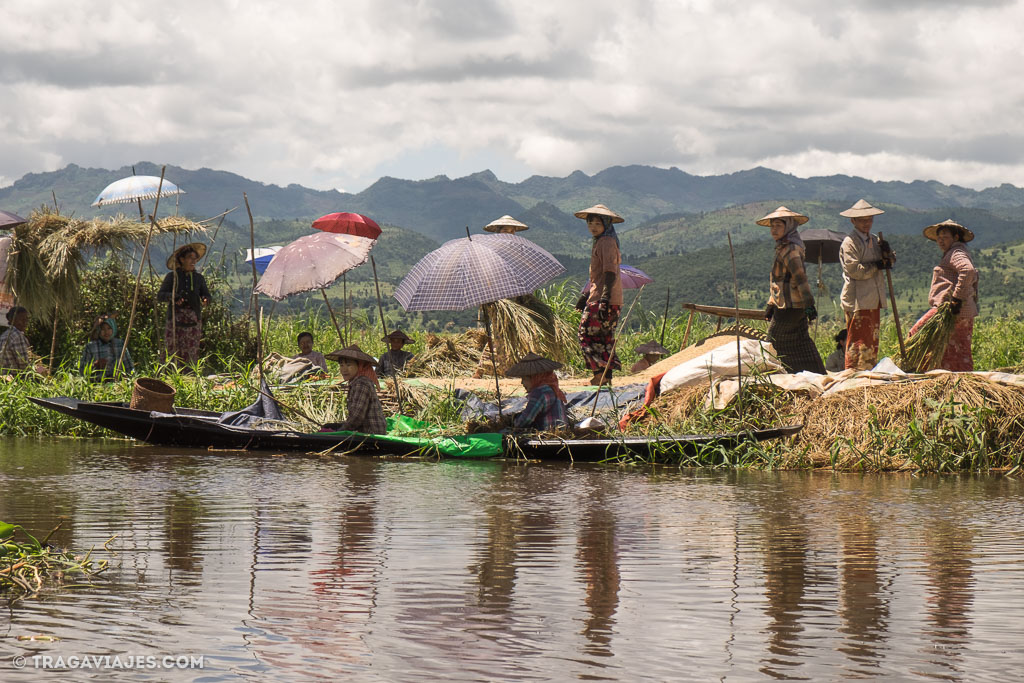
<point x="26" y="566"/>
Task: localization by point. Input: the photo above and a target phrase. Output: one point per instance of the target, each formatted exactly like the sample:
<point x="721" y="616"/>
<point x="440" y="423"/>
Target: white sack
<point x="721" y="362"/>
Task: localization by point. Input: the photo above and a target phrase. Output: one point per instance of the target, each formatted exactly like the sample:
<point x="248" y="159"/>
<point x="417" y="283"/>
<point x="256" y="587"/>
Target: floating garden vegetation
<point x="27" y="565"/>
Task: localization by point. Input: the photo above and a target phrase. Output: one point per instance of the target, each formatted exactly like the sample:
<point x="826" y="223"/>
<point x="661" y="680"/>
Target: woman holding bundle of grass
<point x="954" y="280"/>
<point x="603" y="301"/>
<point x="186" y="290"/>
<point x="791" y="303"/>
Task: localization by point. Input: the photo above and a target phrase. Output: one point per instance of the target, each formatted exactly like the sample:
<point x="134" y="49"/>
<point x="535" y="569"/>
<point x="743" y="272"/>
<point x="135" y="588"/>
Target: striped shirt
<point x="365" y="414"/>
<point x="15" y="351"/>
<point x="788" y="282"/>
<point x="543" y="412"/>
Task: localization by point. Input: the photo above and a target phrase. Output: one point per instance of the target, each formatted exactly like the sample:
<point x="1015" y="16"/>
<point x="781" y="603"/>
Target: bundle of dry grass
<point x="924" y="350"/>
<point x="877" y="418"/>
<point x="449" y="356"/>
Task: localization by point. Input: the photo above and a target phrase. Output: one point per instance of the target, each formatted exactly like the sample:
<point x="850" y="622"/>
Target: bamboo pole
<point x="255" y="295"/>
<point x="494" y="361"/>
<point x="334" y="319"/>
<point x="384" y="326"/>
<point x="736" y="292"/>
<point x="664" y="322"/>
<point x="138" y="277"/>
<point x="895" y="312"/>
<point x="689" y="324"/>
<point x="344" y="307"/>
<point x="53" y="340"/>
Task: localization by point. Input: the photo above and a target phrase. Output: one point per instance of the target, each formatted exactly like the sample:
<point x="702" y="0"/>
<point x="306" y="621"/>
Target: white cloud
<point x="331" y="94"/>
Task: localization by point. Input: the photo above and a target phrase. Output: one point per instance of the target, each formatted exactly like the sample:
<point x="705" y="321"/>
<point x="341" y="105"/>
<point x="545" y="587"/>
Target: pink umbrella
<point x="348" y="224"/>
<point x="313" y="262"/>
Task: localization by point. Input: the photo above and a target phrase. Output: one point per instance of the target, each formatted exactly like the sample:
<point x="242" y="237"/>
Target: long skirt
<point x="182" y="339"/>
<point x="598" y="336"/>
<point x="862" y="339"/>
<point x="788" y="332"/>
<point x="958" y="356"/>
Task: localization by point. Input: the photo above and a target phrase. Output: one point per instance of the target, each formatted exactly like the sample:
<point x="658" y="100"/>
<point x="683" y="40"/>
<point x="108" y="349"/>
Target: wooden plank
<point x="727" y="311"/>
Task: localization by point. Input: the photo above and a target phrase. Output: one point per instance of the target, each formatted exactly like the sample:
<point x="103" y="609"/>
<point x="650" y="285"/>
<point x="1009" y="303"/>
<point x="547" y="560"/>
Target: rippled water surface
<point x="284" y="568"/>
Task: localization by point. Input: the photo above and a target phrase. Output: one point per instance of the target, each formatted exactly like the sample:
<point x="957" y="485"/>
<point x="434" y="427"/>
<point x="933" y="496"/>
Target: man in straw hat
<point x="364" y="413"/>
<point x="791" y="303"/>
<point x="652" y="352"/>
<point x="184" y="327"/>
<point x="955" y="280"/>
<point x="603" y="301"/>
<point x="864" y="259"/>
<point x="16" y="353"/>
<point x="545" y="401"/>
<point x="395" y="359"/>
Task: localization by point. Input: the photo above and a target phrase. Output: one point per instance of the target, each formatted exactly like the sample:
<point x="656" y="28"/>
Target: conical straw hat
<point x="600" y="210"/>
<point x="783" y="212"/>
<point x="506" y="221"/>
<point x="172" y="260"/>
<point x="351" y="352"/>
<point x="932" y="231"/>
<point x="532" y="364"/>
<point x="652" y="347"/>
<point x="861" y="210"/>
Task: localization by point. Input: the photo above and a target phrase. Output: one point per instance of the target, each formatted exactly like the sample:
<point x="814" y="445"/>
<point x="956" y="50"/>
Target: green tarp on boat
<point x="416" y="433"/>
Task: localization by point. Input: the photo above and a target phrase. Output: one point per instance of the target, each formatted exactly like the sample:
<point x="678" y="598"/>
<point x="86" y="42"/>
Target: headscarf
<point x="95" y="336"/>
<point x="366" y="370"/>
<point x="549" y="378"/>
<point x="609" y="229"/>
<point x="791" y="236"/>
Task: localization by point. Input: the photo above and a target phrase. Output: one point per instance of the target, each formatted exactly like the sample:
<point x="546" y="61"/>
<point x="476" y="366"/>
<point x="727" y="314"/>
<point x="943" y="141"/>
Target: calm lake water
<point x="285" y="568"/>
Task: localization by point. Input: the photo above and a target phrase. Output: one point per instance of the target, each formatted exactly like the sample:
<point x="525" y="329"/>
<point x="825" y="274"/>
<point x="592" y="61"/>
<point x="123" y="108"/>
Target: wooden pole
<point x="494" y="361"/>
<point x="341" y="337"/>
<point x="53" y="341"/>
<point x="138" y="277"/>
<point x="664" y="323"/>
<point x="255" y="295"/>
<point x="344" y="307"/>
<point x="689" y="324"/>
<point x="611" y="354"/>
<point x="383" y="324"/>
<point x="736" y="292"/>
<point x="895" y="312"/>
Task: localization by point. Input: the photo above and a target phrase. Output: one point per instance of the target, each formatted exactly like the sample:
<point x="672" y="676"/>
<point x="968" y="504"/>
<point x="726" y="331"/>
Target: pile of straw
<point x="846" y="418"/>
<point x="449" y="356"/>
<point x="927" y="347"/>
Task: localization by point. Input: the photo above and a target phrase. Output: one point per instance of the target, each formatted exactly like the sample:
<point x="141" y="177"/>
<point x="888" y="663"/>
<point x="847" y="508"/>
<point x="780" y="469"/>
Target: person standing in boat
<point x="103" y="351"/>
<point x="955" y="279"/>
<point x="603" y="302"/>
<point x="364" y="412"/>
<point x="864" y="259"/>
<point x="545" y="401"/>
<point x="791" y="303"/>
<point x="394" y="360"/>
<point x="187" y="293"/>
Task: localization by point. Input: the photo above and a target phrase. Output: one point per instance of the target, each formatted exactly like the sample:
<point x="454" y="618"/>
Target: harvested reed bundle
<point x="449" y="356"/>
<point x="924" y="350"/>
<point x="877" y="419"/>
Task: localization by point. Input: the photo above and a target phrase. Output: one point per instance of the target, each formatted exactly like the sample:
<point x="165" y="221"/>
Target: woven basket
<point x="152" y="394"/>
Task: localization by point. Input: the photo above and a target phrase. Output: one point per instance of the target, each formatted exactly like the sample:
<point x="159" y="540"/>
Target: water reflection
<point x="356" y="568"/>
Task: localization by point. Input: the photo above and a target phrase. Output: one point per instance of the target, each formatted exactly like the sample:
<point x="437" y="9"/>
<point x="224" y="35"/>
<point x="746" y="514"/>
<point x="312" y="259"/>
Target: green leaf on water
<point x="8" y="530"/>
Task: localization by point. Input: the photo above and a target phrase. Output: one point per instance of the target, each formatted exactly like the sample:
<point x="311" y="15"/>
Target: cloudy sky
<point x="336" y="93"/>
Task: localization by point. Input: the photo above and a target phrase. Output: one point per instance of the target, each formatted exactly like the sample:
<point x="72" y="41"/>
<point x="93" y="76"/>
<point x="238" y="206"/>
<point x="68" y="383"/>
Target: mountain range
<point x="442" y="208"/>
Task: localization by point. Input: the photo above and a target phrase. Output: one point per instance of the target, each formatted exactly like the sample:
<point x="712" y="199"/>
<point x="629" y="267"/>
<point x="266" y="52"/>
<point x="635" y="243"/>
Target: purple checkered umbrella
<point x="9" y="220"/>
<point x="471" y="271"/>
<point x="632" y="278"/>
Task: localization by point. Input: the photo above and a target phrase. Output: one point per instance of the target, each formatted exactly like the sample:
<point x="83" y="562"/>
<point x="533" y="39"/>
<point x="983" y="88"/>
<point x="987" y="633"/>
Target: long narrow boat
<point x="201" y="429"/>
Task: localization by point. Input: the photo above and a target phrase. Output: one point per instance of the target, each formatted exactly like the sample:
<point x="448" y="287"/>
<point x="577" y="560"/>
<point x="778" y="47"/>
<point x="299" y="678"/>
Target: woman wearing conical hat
<point x="364" y="413"/>
<point x="186" y="290"/>
<point x="395" y="359"/>
<point x="864" y="259"/>
<point x="602" y="302"/>
<point x="545" y="401"/>
<point x="955" y="279"/>
<point x="791" y="303"/>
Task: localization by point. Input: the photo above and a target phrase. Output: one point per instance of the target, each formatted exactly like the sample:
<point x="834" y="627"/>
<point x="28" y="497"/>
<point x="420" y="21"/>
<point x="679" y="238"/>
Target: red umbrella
<point x="348" y="224"/>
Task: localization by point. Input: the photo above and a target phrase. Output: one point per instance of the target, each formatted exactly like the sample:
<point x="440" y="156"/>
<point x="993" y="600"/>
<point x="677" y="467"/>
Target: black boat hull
<point x="199" y="429"/>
